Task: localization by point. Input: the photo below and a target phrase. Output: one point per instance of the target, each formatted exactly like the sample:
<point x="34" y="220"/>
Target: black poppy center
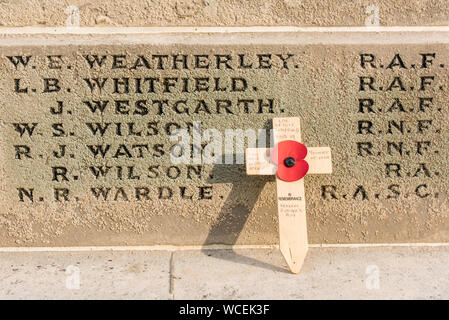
<point x="289" y="162"/>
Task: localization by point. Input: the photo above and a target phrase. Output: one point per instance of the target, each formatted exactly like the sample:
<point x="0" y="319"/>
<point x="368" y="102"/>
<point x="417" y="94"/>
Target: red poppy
<point x="289" y="156"/>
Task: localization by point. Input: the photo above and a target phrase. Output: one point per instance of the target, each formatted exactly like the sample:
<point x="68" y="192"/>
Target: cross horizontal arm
<point x="258" y="161"/>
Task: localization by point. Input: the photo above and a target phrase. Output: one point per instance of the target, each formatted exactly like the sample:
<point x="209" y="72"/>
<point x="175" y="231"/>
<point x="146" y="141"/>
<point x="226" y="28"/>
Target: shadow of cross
<point x="236" y="210"/>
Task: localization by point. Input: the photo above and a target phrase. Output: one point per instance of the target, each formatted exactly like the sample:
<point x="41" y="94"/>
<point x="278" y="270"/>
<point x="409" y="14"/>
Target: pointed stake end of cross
<point x="294" y="255"/>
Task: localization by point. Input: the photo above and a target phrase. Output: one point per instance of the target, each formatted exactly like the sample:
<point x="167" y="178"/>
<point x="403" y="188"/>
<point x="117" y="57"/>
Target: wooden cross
<point x="293" y="240"/>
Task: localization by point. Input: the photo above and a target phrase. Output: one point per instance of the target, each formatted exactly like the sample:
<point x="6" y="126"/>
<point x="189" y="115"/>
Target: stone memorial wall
<point x="86" y="123"/>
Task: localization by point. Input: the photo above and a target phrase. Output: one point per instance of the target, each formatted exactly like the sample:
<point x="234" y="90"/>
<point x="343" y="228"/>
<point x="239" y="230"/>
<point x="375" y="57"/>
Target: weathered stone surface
<point x="222" y="13"/>
<point x="379" y="100"/>
<point x="85" y="275"/>
<point x="328" y="273"/>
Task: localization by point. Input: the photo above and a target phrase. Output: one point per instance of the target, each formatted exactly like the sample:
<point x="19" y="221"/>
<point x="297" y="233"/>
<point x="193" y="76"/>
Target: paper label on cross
<point x="258" y="161"/>
<point x="293" y="240"/>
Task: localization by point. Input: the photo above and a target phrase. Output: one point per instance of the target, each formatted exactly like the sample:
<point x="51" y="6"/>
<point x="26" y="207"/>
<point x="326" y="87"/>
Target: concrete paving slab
<point x="85" y="275"/>
<point x="328" y="273"/>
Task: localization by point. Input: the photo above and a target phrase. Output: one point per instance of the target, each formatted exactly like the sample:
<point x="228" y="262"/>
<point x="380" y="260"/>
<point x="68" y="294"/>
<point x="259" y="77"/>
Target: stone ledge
<point x="222" y="36"/>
